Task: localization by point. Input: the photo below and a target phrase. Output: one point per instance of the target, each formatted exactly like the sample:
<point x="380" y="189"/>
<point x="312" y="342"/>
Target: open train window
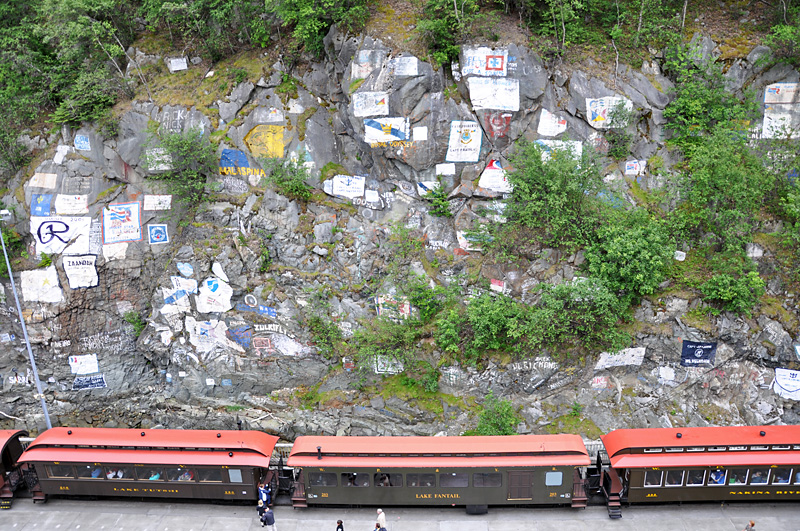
<point x="492" y="479"/>
<point x="759" y="476"/>
<point x="737" y="476"/>
<point x="652" y="478"/>
<point x="421" y="480"/>
<point x="151" y="474"/>
<point x="453" y="479"/>
<point x="59" y="471"/>
<point x="781" y="476"/>
<point x="553" y="479"/>
<point x="210" y="475"/>
<point x="717" y="477"/>
<point x="90" y="472"/>
<point x="388" y="480"/>
<point x="355" y="479"/>
<point x="674" y="478"/>
<point x="696" y="478"/>
<point x="119" y="472"/>
<point x="322" y="479"/>
<point x="181" y="474"/>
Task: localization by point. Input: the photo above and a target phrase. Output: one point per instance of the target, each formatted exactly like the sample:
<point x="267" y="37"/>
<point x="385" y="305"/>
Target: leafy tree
<point x="498" y="417"/>
<point x="311" y="19"/>
<point x="184" y="161"/>
<point x="784" y="37"/>
<point x="445" y="24"/>
<point x="555" y="194"/>
<point x="288" y="177"/>
<point x="737" y="295"/>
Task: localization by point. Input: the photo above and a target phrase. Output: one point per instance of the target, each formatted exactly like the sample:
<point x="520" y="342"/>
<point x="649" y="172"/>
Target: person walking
<point x="261" y="509"/>
<point x="339" y="525"/>
<point x="750" y="527"/>
<point x="268" y="519"/>
<point x="381" y="521"/>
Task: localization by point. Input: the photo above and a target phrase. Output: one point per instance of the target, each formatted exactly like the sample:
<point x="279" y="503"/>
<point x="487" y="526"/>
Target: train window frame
<point x="453" y="480"/>
<point x="781" y="446"/>
<point x="702" y="481"/>
<point x="737" y="448"/>
<point x="773" y="480"/>
<point x="667" y="478"/>
<point x="234" y="473"/>
<point x="50" y="472"/>
<point x="696" y="449"/>
<point x="653" y="450"/>
<point x="550" y="478"/>
<point x="753" y="473"/>
<point x="647" y="485"/>
<point x="203" y="471"/>
<point x="759" y="447"/>
<point x="92" y="469"/>
<point x="717" y="448"/>
<point x="174" y="475"/>
<point x="386" y="479"/>
<point x="421" y="480"/>
<point x="484" y="480"/>
<point x="674" y="450"/>
<point x="323" y="479"/>
<point x="351" y="479"/>
<point x="734" y="473"/>
<point x="716" y="480"/>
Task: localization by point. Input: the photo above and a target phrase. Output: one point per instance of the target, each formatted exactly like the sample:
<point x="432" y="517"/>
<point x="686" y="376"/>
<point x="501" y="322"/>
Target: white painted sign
<point x="189" y="285"/>
<point x="551" y="124"/>
<point x="366" y="61"/>
<point x="61" y="153"/>
<point x="57" y="234"/>
<point x="599" y="110"/>
<point x="494" y="178"/>
<point x="85" y="364"/>
<point x="43" y="180"/>
<point x="41" y="285"/>
<point x="81" y="271"/>
<point x="274" y="115"/>
<point x="419" y="134"/>
<point x="71" y="205"/>
<point x="465" y="142"/>
<point x="385" y="129"/>
<point x="122" y="223"/>
<point x="446" y="169"/>
<point x="426" y="187"/>
<point x="635" y="167"/>
<point x="82" y="143"/>
<point x="781" y="120"/>
<point x="115" y="251"/>
<point x="349" y="186"/>
<point x="573" y="146"/>
<point x="787" y="384"/>
<point x="214" y="296"/>
<point x="782" y="93"/>
<point x="483" y="61"/>
<point x="371" y="104"/>
<point x="177" y="64"/>
<point x="387" y="365"/>
<point x="628" y="356"/>
<point x="158" y="159"/>
<point x="157" y="202"/>
<point x="501" y="94"/>
<point x="404" y="66"/>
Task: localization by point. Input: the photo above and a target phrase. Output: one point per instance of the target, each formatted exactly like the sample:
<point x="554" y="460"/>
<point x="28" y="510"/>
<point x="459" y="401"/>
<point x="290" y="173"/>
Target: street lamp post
<point x="24" y="328"/>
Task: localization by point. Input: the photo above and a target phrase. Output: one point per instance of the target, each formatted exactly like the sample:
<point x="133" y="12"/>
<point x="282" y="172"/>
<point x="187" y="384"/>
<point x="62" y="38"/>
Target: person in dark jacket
<point x="339" y="525"/>
<point x="268" y="519"/>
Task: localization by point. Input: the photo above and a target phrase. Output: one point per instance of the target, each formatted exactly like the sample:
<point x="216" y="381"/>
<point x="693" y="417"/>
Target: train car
<point x="198" y="464"/>
<point x="742" y="463"/>
<point x="10" y="475"/>
<point x="474" y="472"/>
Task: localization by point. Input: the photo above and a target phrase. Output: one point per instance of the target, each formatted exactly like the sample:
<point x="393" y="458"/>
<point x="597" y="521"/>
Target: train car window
<point x="453" y="479"/>
<point x="717" y="448"/>
<point x="759" y="476"/>
<point x="388" y="480"/>
<point x="760" y="447"/>
<point x="59" y="471"/>
<point x="235" y="475"/>
<point x="119" y="472"/>
<point x="181" y="474"/>
<point x="209" y="475"/>
<point x="421" y="480"/>
<point x="355" y="479"/>
<point x="737" y="448"/>
<point x="90" y="472"/>
<point x="674" y="450"/>
<point x="696" y="449"/>
<point x="781" y="476"/>
<point x="784" y="447"/>
<point x="653" y="450"/>
<point x="674" y="478"/>
<point x="151" y="474"/>
<point x="696" y="477"/>
<point x="553" y="479"/>
<point x="797" y="478"/>
<point x="652" y="478"/>
<point x="322" y="479"/>
<point x="717" y="477"/>
<point x="737" y="476"/>
<point x="493" y="479"/>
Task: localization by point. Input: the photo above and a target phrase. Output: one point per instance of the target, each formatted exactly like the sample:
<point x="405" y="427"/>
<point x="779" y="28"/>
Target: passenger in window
<point x="717" y="478"/>
<point x="782" y="476"/>
<point x="112" y="473"/>
<point x="97" y="472"/>
<point x="758" y="477"/>
<point x="154" y="475"/>
<point x="674" y="478"/>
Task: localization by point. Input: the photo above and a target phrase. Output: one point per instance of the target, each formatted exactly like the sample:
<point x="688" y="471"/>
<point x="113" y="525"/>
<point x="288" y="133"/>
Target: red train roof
<point x="106" y="439"/>
<point x="113" y="456"/>
<point x="7" y="435"/>
<point x="480" y="451"/>
<point x="624" y="446"/>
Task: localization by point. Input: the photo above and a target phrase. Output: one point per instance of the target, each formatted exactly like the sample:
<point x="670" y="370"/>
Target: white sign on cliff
<point x="500" y="94"/>
<point x="81" y="271"/>
<point x="371" y="104"/>
<point x="58" y="234"/>
<point x="465" y="142"/>
<point x="483" y="61"/>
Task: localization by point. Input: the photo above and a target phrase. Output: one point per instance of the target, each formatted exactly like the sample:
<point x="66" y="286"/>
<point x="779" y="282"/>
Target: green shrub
<point x="325" y="335"/>
<point x="440" y="207"/>
<point x="135" y="320"/>
<point x="498" y="417"/>
<point x="444" y="24"/>
<point x="618" y="136"/>
<point x="738" y="295"/>
<point x="427" y="301"/>
<point x="312" y="19"/>
<point x="288" y="177"/>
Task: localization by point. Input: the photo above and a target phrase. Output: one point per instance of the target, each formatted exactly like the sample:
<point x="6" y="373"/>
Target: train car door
<point x="520" y="485"/>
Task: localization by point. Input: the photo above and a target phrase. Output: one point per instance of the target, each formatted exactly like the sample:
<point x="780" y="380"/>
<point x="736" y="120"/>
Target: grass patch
<point x="301" y="122"/>
<point x="699" y="318"/>
<point x="330" y="170"/>
<point x="355" y="84"/>
<point x="571" y="423"/>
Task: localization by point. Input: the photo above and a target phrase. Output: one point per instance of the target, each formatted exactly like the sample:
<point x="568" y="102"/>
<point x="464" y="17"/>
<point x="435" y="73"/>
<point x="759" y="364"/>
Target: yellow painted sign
<point x="266" y="141"/>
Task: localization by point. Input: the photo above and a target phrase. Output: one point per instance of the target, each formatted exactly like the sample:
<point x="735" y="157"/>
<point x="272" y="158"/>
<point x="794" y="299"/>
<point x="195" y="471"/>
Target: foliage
<point x="498" y="417"/>
<point x="445" y="24"/>
<point x="325" y="334"/>
<point x="737" y="295"/>
<point x="784" y="37"/>
<point x="395" y="341"/>
<point x="46" y="261"/>
<point x="556" y="194"/>
<point x="701" y="102"/>
<point x="136" y="321"/>
<point x="190" y="157"/>
<point x="14" y="246"/>
<point x="722" y="191"/>
<point x="632" y="255"/>
<point x="440" y="207"/>
<point x="403" y="242"/>
<point x="428" y="301"/>
<point x="618" y="136"/>
<point x="265" y="259"/>
<point x="311" y="20"/>
<point x="288" y="177"/>
<point x="493" y="321"/>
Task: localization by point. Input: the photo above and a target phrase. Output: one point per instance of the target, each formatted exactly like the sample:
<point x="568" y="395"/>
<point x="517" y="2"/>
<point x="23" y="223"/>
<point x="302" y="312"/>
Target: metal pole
<point x="25" y="333"/>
